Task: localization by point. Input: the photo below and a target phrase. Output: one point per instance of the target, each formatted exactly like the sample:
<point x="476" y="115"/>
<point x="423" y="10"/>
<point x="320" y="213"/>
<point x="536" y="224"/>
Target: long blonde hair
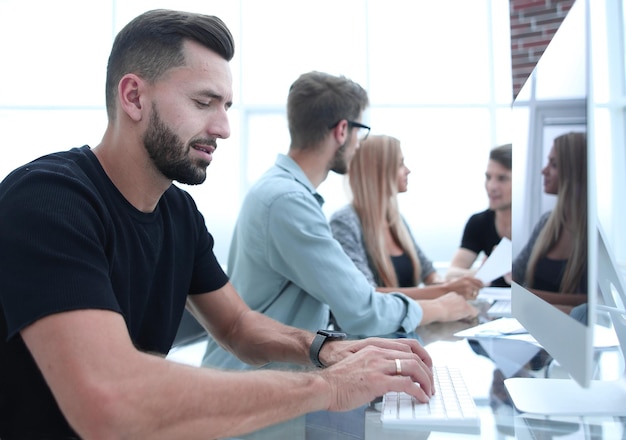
<point x="373" y="177"/>
<point x="570" y="212"/>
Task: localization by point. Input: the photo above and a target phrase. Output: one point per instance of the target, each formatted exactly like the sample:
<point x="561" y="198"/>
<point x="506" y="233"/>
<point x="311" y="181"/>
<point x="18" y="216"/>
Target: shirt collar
<point x="290" y="166"/>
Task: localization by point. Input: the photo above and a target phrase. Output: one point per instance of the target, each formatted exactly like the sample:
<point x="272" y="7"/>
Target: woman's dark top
<point x="404" y="270"/>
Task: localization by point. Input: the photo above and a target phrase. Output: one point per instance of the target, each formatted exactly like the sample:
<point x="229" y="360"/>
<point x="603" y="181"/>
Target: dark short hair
<point x="319" y="100"/>
<point x="152" y="43"/>
<point x="503" y="155"/>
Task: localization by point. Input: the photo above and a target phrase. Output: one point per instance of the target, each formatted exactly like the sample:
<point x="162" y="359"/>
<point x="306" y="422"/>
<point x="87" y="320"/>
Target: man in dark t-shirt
<point x="480" y="235"/>
<point x="484" y="230"/>
<point x="99" y="253"/>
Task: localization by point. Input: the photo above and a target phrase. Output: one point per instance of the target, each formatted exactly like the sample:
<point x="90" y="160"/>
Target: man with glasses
<point x="283" y="259"/>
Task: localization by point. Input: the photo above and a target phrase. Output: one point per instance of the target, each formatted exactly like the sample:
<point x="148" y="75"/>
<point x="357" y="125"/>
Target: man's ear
<point x="340" y="132"/>
<point x="130" y="91"/>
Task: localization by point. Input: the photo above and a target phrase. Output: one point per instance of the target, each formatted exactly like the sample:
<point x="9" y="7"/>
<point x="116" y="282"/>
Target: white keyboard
<point x="500" y="308"/>
<point x="451" y="406"/>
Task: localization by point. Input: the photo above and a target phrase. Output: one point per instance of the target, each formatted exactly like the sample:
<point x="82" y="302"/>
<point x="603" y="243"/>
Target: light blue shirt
<point x="285" y="263"/>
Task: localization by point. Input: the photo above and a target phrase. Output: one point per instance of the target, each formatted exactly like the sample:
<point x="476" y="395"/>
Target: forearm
<point x="461" y="264"/>
<point x="565" y="299"/>
<point x="202" y="403"/>
<point x="258" y="340"/>
<point x="435" y="288"/>
<point x="417" y="293"/>
<point x="108" y="389"/>
<point x="455" y="272"/>
<point x="251" y="336"/>
<point x="433" y="311"/>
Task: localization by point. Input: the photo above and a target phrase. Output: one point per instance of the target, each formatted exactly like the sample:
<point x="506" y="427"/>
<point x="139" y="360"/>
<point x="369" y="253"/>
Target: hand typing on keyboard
<point x="372" y="370"/>
<point x="451" y="406"/>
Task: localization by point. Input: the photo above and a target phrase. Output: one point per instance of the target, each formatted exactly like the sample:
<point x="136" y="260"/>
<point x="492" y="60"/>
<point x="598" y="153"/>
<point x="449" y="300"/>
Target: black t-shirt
<point x="480" y="235"/>
<point x="69" y="240"/>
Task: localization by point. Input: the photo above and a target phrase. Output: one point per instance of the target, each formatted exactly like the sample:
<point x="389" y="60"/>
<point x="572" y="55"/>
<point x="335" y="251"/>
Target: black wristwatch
<point x="321" y="337"/>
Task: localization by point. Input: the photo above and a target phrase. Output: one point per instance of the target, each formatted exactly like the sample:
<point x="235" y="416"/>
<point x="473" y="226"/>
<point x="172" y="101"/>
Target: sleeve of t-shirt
<point x="471" y="234"/>
<point x="53" y="248"/>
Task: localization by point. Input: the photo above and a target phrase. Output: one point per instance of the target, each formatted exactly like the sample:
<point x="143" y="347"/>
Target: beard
<point x="170" y="155"/>
<point x="339" y="164"/>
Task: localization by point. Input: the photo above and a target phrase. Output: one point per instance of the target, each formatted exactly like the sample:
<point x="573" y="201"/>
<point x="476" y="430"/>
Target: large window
<point x="438" y="74"/>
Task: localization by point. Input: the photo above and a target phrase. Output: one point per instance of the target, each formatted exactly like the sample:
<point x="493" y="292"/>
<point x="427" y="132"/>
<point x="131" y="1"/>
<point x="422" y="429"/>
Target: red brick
<point x="533" y="24"/>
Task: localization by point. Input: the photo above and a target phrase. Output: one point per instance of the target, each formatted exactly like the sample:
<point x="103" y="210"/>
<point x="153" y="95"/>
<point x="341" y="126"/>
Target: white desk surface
<point x="499" y="419"/>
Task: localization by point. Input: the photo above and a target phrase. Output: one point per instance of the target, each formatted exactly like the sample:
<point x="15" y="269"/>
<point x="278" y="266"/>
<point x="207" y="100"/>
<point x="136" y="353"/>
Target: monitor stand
<point x="564" y="397"/>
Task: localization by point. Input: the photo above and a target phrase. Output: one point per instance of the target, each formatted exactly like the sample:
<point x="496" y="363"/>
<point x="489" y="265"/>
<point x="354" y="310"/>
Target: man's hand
<point x="373" y="371"/>
<point x="334" y="351"/>
<point x="449" y="307"/>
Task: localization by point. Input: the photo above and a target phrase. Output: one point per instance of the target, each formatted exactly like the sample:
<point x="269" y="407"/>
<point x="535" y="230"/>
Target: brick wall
<point x="533" y="23"/>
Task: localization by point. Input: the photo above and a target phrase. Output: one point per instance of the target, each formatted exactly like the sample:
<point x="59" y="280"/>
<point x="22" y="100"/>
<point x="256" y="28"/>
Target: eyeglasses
<point x="363" y="131"/>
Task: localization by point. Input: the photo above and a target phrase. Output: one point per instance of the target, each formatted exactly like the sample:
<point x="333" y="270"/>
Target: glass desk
<point x="484" y="378"/>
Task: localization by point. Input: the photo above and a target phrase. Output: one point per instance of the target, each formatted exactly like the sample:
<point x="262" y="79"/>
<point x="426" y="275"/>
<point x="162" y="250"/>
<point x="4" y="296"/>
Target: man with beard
<point x="99" y="253"/>
<point x="283" y="259"/>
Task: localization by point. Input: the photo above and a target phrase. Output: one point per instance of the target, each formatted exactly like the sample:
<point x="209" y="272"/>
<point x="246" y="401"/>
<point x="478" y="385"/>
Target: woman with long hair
<point x="553" y="264"/>
<point x="376" y="237"/>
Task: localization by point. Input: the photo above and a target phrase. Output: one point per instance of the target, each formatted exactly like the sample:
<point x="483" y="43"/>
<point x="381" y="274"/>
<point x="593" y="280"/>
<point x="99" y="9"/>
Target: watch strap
<point x="318" y="342"/>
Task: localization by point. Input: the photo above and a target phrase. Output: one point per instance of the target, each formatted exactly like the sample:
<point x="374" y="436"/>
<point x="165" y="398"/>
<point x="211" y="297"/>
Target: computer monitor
<point x="558" y="98"/>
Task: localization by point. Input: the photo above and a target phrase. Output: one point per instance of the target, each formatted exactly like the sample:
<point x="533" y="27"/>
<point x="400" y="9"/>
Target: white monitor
<point x="559" y="98"/>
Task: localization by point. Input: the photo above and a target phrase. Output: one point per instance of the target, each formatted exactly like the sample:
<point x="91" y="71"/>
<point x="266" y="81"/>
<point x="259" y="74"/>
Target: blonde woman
<point x="553" y="264"/>
<point x="374" y="234"/>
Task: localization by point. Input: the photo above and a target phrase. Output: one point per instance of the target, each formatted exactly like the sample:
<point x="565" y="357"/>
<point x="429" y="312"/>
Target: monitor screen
<point x="607" y="156"/>
<point x="549" y="212"/>
<point x="555" y="238"/>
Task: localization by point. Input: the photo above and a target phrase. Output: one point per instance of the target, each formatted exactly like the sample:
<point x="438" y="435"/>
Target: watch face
<point x="332" y="335"/>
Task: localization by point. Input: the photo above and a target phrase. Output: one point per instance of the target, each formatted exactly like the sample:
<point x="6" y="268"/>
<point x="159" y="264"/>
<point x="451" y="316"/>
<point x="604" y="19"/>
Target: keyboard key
<point x="451" y="406"/>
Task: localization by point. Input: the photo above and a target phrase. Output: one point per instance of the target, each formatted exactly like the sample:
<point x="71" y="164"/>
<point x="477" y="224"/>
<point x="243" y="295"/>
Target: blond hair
<point x="373" y="175"/>
<point x="570" y="212"/>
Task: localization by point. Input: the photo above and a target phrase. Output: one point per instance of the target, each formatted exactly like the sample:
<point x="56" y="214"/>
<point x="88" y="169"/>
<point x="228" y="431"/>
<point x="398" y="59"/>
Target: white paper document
<point x="498" y="328"/>
<point x="498" y="264"/>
